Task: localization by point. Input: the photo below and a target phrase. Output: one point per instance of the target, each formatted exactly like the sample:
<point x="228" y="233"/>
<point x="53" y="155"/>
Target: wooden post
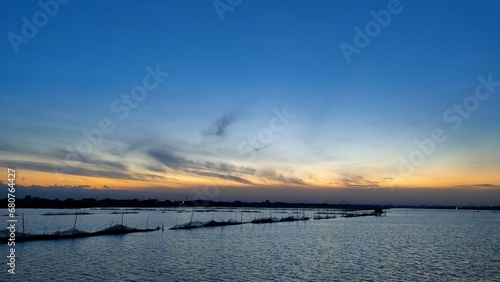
<point x="22" y="215"/>
<point x="74" y="225"/>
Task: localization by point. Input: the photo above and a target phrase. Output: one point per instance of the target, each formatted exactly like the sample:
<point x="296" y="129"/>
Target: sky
<point x="317" y="101"/>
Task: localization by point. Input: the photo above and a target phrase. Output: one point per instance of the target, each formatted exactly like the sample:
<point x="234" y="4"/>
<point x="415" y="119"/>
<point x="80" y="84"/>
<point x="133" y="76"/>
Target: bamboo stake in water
<point x="74" y="225"/>
<point x="23" y="225"/>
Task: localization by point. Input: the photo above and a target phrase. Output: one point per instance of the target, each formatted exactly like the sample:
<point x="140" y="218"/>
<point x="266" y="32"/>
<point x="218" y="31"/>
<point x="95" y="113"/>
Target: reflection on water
<point x="404" y="245"/>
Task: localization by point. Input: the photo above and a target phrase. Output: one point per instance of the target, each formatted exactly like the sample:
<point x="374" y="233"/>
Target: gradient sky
<point x="351" y="126"/>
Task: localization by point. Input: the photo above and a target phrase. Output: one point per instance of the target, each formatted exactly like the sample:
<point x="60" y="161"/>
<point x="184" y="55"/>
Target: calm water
<point x="405" y="245"/>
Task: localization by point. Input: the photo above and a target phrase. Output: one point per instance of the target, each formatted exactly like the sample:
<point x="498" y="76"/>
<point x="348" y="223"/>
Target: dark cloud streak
<point x="219" y="127"/>
<point x="271" y="174"/>
<point x="223" y="176"/>
<point x="353" y="180"/>
<point x="45" y="167"/>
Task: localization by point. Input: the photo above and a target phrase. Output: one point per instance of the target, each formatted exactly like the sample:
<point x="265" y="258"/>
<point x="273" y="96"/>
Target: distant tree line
<point x="69" y="203"/>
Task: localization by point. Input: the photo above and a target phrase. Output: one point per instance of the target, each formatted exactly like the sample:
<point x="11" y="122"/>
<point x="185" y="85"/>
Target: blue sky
<point x="352" y="120"/>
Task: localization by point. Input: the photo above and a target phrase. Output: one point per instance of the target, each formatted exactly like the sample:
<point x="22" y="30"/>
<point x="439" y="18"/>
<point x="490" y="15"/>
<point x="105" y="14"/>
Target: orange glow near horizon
<point x="422" y="179"/>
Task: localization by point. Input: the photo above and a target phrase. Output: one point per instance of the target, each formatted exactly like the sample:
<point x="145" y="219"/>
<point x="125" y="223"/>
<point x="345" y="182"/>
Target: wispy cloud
<point x="169" y="159"/>
<point x="482" y="185"/>
<point x="271" y="174"/>
<point x="158" y="158"/>
<point x="203" y="168"/>
<point x="82" y="171"/>
<point x="155" y="168"/>
<point x="175" y="160"/>
<point x="224" y="176"/>
<point x="92" y="159"/>
<point x="354" y="180"/>
<point x="219" y="126"/>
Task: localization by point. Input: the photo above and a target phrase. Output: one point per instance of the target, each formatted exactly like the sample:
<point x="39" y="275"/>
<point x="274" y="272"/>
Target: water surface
<point x="416" y="245"/>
